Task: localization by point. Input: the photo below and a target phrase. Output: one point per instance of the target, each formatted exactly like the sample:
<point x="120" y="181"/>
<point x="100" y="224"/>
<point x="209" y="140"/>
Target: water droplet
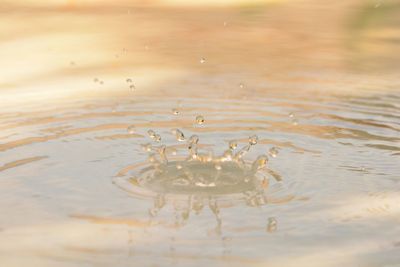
<point x="96" y="80"/>
<point x="175" y="111"/>
<point x="72" y="63"/>
<point x="253" y="140"/>
<point x="132" y="87"/>
<point x="227" y="156"/>
<point x="178" y="134"/>
<point x="131" y="129"/>
<point x="101" y="82"/>
<point x="202" y="60"/>
<point x="157" y="138"/>
<point x="147" y="147"/>
<point x="241" y="85"/>
<point x="273" y="152"/>
<point x="272" y="224"/>
<point x="199" y="119"/>
<point x="129" y="80"/>
<point x="218" y="167"/>
<point x="233" y="144"/>
<point x="179" y="166"/>
<point x="194" y="139"/>
<point x="291" y="115"/>
<point x="295" y="122"/>
<point x="225" y="23"/>
<point x="151" y="133"/>
<point x="260" y="162"/>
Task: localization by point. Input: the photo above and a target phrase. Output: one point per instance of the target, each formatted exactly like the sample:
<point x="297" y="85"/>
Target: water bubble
<point x="129" y="80"/>
<point x="175" y="111"/>
<point x="132" y="87"/>
<point x="253" y="140"/>
<point x="273" y="152"/>
<point x="233" y="144"/>
<point x="202" y="60"/>
<point x="131" y="129"/>
<point x="272" y="224"/>
<point x="199" y="119"/>
<point x="241" y="85"/>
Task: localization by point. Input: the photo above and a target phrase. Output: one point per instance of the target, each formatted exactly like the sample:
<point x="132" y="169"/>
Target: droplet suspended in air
<point x="233" y="144"/>
<point x="241" y="85"/>
<point x="147" y="147"/>
<point x="218" y="167"/>
<point x="272" y="225"/>
<point x="202" y="60"/>
<point x="96" y="80"/>
<point x="151" y="133"/>
<point x="175" y="111"/>
<point x="178" y="134"/>
<point x="295" y="122"/>
<point x="132" y="87"/>
<point x="253" y="140"/>
<point x="199" y="119"/>
<point x="291" y="115"/>
<point x="273" y="152"/>
<point x="129" y="80"/>
<point x="131" y="129"/>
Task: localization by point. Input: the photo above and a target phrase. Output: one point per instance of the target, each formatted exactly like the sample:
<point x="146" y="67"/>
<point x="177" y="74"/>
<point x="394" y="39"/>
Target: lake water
<point x="82" y="84"/>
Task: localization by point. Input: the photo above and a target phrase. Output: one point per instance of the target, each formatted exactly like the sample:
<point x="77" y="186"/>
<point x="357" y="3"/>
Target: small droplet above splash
<point x="178" y="135"/>
<point x="200" y="119"/>
<point x="291" y="115"/>
<point x="151" y="133"/>
<point x="129" y="80"/>
<point x="273" y="152"/>
<point x="218" y="167"/>
<point x="233" y="144"/>
<point x="272" y="225"/>
<point x="96" y="80"/>
<point x="132" y="87"/>
<point x="175" y="111"/>
<point x="202" y="60"/>
<point x="295" y="122"/>
<point x="253" y="140"/>
<point x="131" y="129"/>
<point x="241" y="85"/>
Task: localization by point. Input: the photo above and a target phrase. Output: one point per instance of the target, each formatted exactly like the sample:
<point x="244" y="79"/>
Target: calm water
<point x="317" y="83"/>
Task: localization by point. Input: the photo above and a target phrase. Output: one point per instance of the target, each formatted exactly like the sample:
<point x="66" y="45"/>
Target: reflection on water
<point x="91" y="173"/>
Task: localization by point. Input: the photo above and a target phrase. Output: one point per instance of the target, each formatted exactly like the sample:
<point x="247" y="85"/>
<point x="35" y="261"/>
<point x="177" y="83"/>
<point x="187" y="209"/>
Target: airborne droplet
<point x="272" y="224"/>
<point x="128" y="80"/>
<point x="233" y="144"/>
<point x="131" y="129"/>
<point x="151" y="133"/>
<point x="175" y="111"/>
<point x="202" y="60"/>
<point x="199" y="119"/>
<point x="273" y="152"/>
<point x="253" y="140"/>
<point x="178" y="134"/>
